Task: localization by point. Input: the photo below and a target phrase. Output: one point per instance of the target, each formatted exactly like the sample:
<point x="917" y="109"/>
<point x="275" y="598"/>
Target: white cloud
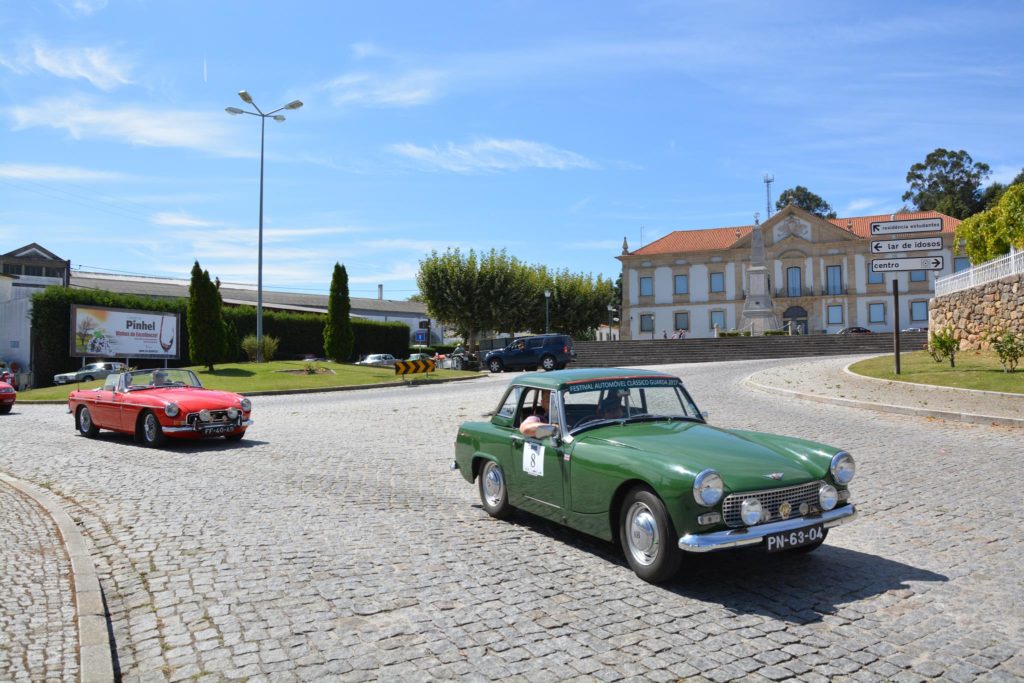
<point x="82" y="7"/>
<point x="492" y="155"/>
<point x="374" y="90"/>
<point x="858" y="205"/>
<point x="397" y="272"/>
<point x="180" y="219"/>
<point x="42" y="172"/>
<point x="364" y="50"/>
<point x="94" y="64"/>
<point x="133" y="124"/>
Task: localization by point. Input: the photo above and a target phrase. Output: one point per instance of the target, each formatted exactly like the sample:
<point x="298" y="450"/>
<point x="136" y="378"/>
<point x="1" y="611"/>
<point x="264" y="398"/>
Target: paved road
<point x="335" y="543"/>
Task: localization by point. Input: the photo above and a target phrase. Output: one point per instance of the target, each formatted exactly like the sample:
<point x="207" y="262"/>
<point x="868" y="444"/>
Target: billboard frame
<point x="75" y="353"/>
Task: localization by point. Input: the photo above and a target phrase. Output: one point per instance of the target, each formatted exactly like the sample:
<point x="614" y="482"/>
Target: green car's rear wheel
<point x="493" y="491"/>
<point x="647" y="536"/>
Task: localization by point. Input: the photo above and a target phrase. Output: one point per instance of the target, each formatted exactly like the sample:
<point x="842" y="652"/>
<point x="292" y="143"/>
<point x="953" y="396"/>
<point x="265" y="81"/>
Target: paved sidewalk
<point x="37" y="614"/>
<point x="828" y="381"/>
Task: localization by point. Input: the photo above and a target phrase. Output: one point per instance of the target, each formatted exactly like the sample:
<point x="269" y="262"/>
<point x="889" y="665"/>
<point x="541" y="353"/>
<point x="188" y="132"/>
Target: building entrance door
<point x="796" y="318"/>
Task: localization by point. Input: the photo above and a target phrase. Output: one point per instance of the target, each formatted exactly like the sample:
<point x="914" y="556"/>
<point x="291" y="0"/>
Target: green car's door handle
<point x="516" y="441"/>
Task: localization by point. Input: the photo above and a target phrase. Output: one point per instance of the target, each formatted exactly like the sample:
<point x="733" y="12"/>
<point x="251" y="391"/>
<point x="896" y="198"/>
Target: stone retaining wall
<point x="971" y="313"/>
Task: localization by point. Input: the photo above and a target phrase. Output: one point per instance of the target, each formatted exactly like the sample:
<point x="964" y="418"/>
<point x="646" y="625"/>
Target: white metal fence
<point x="1011" y="264"/>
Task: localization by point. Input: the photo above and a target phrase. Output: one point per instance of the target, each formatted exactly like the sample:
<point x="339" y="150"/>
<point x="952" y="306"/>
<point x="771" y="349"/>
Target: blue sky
<point x="552" y="130"/>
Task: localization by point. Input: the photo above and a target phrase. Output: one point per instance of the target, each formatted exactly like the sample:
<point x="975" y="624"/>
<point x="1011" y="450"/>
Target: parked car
<point x="379" y="359"/>
<point x="155" y="404"/>
<point x="914" y="329"/>
<point x="658" y="479"/>
<point x="89" y="372"/>
<point x="420" y="356"/>
<point x="548" y="351"/>
<point x="855" y="330"/>
<point x="8" y="395"/>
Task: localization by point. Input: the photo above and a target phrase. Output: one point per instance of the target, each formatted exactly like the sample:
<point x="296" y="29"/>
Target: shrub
<point x="1010" y="348"/>
<point x="270" y="345"/>
<point x="944" y="345"/>
<point x="775" y="333"/>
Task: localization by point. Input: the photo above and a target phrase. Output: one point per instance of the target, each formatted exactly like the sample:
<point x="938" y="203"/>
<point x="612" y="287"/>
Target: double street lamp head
<point x="247" y="98"/>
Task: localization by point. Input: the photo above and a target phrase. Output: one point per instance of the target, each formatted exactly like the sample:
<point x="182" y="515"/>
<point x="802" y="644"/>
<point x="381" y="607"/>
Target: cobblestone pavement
<point x="38" y="636"/>
<point x="334" y="543"/>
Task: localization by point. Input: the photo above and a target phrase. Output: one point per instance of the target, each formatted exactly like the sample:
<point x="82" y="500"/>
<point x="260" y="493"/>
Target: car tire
<point x="495" y="365"/>
<point x="151" y="434"/>
<point x="804" y="549"/>
<point x="5" y="410"/>
<point x="494" y="490"/>
<point x="235" y="437"/>
<point x="647" y="536"/>
<point x="549" y="363"/>
<point x="88" y="378"/>
<point x="85" y="424"/>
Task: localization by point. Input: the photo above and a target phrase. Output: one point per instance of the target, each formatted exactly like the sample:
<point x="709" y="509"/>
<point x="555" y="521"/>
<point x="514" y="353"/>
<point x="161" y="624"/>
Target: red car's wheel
<point x="85" y="424"/>
<point x="150" y="431"/>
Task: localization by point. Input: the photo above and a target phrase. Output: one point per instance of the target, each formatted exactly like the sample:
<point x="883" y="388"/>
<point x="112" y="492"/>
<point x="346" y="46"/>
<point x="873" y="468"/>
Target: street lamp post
<point x="235" y="111"/>
<point x="611" y="309"/>
<point x="547" y="301"/>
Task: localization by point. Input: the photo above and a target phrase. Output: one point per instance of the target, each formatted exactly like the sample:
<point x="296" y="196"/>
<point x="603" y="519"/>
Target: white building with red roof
<point x="819" y="273"/>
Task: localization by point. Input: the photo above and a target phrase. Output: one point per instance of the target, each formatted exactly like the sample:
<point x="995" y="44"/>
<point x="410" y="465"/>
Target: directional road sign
<point x="420" y="336"/>
<point x="917" y="263"/>
<point x="406" y="367"/>
<point x="906" y="244"/>
<point x="908" y="225"/>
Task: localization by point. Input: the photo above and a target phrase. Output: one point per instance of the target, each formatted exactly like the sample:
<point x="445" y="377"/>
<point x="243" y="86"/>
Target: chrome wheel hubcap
<point x="642" y="534"/>
<point x="85" y="419"/>
<point x="494" y="485"/>
<point x="150" y="428"/>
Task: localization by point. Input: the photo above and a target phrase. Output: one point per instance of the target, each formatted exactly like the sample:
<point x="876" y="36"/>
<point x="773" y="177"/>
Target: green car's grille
<point x="770" y="500"/>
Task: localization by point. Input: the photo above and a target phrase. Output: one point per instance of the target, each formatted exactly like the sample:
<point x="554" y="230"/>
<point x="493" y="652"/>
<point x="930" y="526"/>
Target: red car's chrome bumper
<point x="213" y="429"/>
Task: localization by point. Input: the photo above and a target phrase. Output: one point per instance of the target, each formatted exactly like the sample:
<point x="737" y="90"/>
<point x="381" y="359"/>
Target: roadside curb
<point x="966" y="392"/>
<point x="95" y="662"/>
<point x="889" y="408"/>
<point x="312" y="390"/>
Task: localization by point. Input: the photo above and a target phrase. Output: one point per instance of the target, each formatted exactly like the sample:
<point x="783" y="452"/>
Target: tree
<point x="455" y="293"/>
<point x="206" y="329"/>
<point x="339" y="339"/>
<point x="806" y="200"/>
<point x="990" y="234"/>
<point x="948" y="182"/>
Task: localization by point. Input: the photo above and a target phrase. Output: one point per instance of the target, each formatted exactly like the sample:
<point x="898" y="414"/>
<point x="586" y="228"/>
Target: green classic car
<point x="625" y="455"/>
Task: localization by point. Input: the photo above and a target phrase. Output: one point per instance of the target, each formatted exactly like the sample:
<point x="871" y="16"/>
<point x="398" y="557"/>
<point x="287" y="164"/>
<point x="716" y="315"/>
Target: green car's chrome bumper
<point x="734" y="538"/>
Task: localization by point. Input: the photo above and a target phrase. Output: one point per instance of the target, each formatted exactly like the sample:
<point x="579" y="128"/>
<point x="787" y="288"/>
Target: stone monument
<point x="758" y="310"/>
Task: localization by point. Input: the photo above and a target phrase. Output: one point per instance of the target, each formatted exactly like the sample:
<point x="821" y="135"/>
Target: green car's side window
<point x="509" y="403"/>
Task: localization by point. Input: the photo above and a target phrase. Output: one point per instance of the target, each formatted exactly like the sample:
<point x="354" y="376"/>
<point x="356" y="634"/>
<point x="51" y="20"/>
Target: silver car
<point x="89" y="372"/>
<point x="379" y="359"/>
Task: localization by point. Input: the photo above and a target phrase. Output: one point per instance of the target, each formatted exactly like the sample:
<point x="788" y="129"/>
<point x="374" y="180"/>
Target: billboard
<point x="122" y="333"/>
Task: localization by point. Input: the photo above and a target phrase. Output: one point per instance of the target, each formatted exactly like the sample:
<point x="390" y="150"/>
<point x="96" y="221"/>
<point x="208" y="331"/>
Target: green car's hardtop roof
<point x="560" y="379"/>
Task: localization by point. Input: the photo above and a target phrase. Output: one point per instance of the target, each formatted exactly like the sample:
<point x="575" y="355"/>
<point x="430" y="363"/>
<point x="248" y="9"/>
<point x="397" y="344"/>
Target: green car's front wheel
<point x="493" y="491"/>
<point x="647" y="536"/>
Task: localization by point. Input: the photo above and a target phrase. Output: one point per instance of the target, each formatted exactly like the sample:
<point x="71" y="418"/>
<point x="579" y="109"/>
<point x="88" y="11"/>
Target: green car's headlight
<point x="843" y="468"/>
<point x="171" y="410"/>
<point x="708" y="488"/>
<point x="827" y="497"/>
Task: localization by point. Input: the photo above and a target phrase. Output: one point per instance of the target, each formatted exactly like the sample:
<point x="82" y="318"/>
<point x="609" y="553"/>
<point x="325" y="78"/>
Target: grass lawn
<point x="245" y="378"/>
<point x="974" y="370"/>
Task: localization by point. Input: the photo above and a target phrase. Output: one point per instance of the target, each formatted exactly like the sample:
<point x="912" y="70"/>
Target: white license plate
<point x="794" y="539"/>
<point x="219" y="430"/>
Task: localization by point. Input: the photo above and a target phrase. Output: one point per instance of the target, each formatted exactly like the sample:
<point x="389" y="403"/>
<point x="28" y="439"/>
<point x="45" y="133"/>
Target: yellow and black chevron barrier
<point x="410" y="367"/>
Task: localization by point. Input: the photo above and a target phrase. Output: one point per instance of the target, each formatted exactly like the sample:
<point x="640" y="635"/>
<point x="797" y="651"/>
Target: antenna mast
<point x="768" y="180"/>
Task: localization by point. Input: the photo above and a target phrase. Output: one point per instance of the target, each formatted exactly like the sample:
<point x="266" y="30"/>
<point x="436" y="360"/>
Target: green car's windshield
<point x="626" y="399"/>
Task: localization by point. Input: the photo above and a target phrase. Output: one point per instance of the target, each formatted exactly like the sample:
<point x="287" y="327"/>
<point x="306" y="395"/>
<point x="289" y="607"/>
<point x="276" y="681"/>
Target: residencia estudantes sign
<point x="121" y="333"/>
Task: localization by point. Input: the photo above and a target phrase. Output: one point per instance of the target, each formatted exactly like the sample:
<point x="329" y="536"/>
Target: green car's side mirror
<point x="544" y="431"/>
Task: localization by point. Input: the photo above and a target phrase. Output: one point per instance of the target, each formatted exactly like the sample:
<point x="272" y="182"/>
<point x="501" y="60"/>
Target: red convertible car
<point x="7" y="397"/>
<point x="155" y="404"/>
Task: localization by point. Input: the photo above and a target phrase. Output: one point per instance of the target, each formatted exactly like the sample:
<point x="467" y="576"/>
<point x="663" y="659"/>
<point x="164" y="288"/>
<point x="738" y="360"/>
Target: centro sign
<point x="122" y="333"/>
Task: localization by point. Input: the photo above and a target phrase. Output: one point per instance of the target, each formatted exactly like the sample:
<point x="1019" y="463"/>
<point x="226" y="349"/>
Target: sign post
<point x="896" y="320"/>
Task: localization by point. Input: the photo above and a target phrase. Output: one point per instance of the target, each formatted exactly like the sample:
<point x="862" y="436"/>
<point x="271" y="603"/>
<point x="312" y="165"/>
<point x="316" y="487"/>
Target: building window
<point x="718" y="320"/>
<point x="682" y="321"/>
<point x="961" y="263"/>
<point x="54" y="272"/>
<point x="918" y="311"/>
<point x="875" y="278"/>
<point x="682" y="284"/>
<point x="647" y="322"/>
<point x="918" y="276"/>
<point x="35" y="271"/>
<point x="12" y="268"/>
<point x="717" y="282"/>
<point x="834" y="279"/>
<point x="876" y="313"/>
<point x="793" y="281"/>
<point x="835" y="315"/>
<point x="647" y="286"/>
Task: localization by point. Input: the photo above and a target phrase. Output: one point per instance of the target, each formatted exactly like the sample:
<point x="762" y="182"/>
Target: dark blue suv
<point x="548" y="351"/>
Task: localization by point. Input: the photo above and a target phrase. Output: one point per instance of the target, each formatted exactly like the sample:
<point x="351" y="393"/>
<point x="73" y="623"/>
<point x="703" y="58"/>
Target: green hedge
<point x="299" y="333"/>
